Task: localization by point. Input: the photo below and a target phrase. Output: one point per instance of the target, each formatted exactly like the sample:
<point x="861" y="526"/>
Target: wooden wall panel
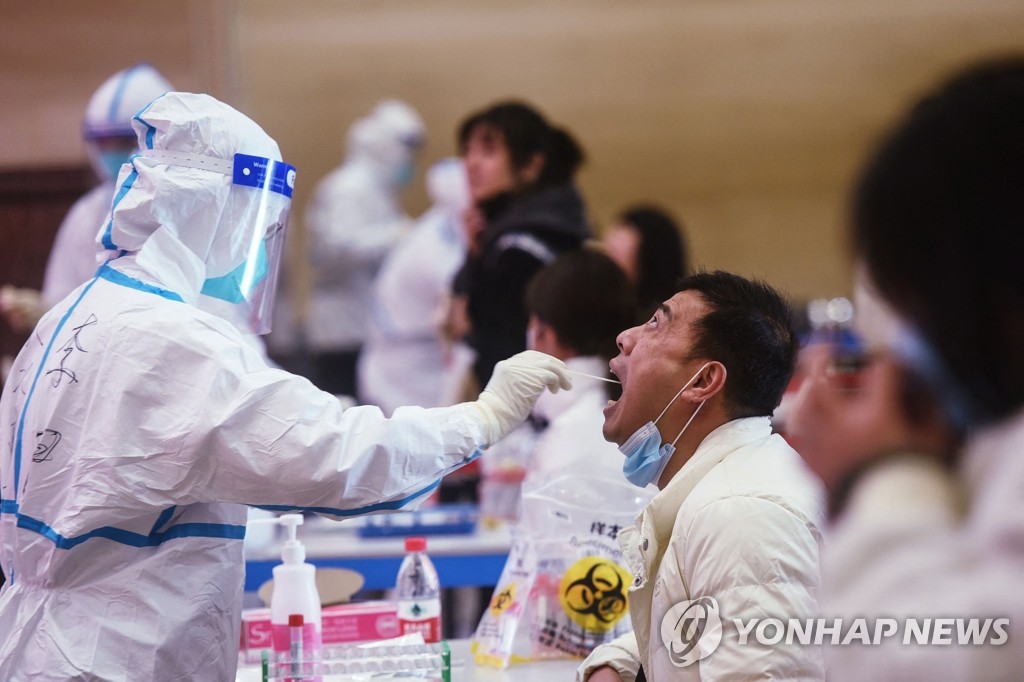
<point x="32" y="205"/>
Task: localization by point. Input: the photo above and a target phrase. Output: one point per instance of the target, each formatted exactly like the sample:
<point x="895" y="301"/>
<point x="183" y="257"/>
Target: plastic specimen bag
<point x="563" y="589"/>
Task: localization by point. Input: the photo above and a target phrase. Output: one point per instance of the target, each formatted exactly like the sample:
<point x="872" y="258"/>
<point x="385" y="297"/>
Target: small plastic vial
<point x="418" y="591"/>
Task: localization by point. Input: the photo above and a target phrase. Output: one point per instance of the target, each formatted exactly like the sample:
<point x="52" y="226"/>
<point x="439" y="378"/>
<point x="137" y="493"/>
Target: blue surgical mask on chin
<point x="646" y="455"/>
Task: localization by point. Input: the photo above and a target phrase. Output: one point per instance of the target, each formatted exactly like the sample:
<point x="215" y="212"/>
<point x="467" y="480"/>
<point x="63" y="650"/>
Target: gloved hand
<point x="509" y="396"/>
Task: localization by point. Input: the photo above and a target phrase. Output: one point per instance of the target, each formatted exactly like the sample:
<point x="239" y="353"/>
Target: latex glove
<point x="509" y="396"/>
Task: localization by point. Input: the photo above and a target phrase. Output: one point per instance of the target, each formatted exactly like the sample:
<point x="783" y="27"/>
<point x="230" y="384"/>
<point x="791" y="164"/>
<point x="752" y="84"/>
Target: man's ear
<point x="710" y="382"/>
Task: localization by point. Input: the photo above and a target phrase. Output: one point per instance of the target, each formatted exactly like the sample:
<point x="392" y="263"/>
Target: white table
<point x="465" y="669"/>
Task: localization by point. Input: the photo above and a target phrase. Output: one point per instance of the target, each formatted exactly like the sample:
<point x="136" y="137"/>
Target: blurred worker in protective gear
<point x="406" y="360"/>
<point x="109" y="141"/>
<point x="354" y="219"/>
<point x="136" y="424"/>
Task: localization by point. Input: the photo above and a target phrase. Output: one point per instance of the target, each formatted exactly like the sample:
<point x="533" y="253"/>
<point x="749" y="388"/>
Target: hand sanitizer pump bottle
<point x="295" y="593"/>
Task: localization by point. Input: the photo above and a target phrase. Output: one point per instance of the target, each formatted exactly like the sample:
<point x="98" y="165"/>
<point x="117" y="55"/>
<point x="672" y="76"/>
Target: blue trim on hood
<point x="150" y="129"/>
<point x="108" y="240"/>
<point x="115" y="101"/>
<point x="117" y="277"/>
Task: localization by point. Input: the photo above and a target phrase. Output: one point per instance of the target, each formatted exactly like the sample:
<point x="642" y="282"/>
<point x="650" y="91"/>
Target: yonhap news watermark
<point x="692" y="630"/>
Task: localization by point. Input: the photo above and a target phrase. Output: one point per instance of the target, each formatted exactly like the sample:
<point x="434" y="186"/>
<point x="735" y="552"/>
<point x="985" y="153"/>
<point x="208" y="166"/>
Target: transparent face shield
<point x="253" y="250"/>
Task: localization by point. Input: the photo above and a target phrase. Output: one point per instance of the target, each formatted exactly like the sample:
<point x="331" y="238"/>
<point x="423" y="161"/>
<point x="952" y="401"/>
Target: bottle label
<point x="422" y="616"/>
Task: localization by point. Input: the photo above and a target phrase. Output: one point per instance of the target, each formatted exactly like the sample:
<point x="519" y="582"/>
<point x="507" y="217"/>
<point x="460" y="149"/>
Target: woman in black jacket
<point x="526" y="212"/>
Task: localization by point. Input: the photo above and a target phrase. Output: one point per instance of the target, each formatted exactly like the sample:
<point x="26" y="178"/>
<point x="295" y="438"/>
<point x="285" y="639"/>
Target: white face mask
<point x="646" y="456"/>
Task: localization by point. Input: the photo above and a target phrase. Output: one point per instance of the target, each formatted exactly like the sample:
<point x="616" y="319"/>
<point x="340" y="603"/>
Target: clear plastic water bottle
<point x="419" y="592"/>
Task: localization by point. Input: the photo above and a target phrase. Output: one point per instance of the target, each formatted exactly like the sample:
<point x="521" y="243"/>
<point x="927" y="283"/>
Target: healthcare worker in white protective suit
<point x="354" y="219"/>
<point x="135" y="425"/>
<point x="406" y="359"/>
<point x="109" y="141"/>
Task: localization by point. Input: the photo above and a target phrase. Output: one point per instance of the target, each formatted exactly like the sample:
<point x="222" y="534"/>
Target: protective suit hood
<point x="447" y="184"/>
<point x="387" y="140"/>
<point x="184" y="207"/>
<point x="110" y="110"/>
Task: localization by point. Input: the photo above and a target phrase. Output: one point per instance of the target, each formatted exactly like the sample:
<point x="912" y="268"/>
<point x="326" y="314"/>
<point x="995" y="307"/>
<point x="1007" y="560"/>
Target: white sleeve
<point x="758" y="560"/>
<point x="622" y="654"/>
<point x="283" y="442"/>
<point x="219" y="425"/>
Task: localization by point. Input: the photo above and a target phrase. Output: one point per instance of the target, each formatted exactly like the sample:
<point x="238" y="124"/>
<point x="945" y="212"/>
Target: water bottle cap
<point x="296" y="620"/>
<point x="415" y="544"/>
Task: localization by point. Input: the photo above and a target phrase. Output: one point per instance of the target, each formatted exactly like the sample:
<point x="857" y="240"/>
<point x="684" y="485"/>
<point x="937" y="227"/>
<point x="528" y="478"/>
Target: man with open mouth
<point x="736" y="526"/>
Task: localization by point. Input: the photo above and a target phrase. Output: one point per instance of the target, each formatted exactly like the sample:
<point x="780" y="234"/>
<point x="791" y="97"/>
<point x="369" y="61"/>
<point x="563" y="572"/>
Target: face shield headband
<point x="250" y="286"/>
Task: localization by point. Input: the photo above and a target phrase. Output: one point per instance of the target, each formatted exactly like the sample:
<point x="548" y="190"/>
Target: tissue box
<point x="359" y="622"/>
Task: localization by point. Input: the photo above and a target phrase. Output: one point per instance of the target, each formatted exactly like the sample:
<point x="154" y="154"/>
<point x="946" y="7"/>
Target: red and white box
<point x="341" y="623"/>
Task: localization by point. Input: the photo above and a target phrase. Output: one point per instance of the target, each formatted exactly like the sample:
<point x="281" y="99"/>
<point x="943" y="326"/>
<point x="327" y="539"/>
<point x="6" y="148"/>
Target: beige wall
<point x="747" y="118"/>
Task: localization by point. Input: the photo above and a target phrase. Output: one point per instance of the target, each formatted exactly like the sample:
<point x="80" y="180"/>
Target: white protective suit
<point x="75" y="254"/>
<point x="405" y="359"/>
<point x="740" y="522"/>
<point x="135" y="426"/>
<point x="354" y="219"/>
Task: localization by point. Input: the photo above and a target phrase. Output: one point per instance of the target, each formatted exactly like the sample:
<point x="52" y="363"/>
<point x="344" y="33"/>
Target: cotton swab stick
<point x="592" y="376"/>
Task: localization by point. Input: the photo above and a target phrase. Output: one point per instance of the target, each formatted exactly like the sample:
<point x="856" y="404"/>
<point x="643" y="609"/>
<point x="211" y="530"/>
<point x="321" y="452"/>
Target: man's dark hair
<point x="586" y="298"/>
<point x="938" y="215"/>
<point x="749" y="329"/>
<point x="525" y="132"/>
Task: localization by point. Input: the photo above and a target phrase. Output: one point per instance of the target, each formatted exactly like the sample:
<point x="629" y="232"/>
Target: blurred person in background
<point x="650" y="246"/>
<point x="354" y="220"/>
<point x="406" y="359"/>
<point x="527" y="210"/>
<point x="109" y="142"/>
<point x="923" y="452"/>
<point x="577" y="305"/>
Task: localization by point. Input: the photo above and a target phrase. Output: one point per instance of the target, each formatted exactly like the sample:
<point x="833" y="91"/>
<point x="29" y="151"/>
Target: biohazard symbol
<point x="503" y="599"/>
<point x="593" y="593"/>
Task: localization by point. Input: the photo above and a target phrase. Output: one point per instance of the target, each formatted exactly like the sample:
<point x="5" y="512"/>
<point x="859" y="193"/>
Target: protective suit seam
<point x="182" y="530"/>
<point x="31" y="392"/>
<point x="377" y="506"/>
